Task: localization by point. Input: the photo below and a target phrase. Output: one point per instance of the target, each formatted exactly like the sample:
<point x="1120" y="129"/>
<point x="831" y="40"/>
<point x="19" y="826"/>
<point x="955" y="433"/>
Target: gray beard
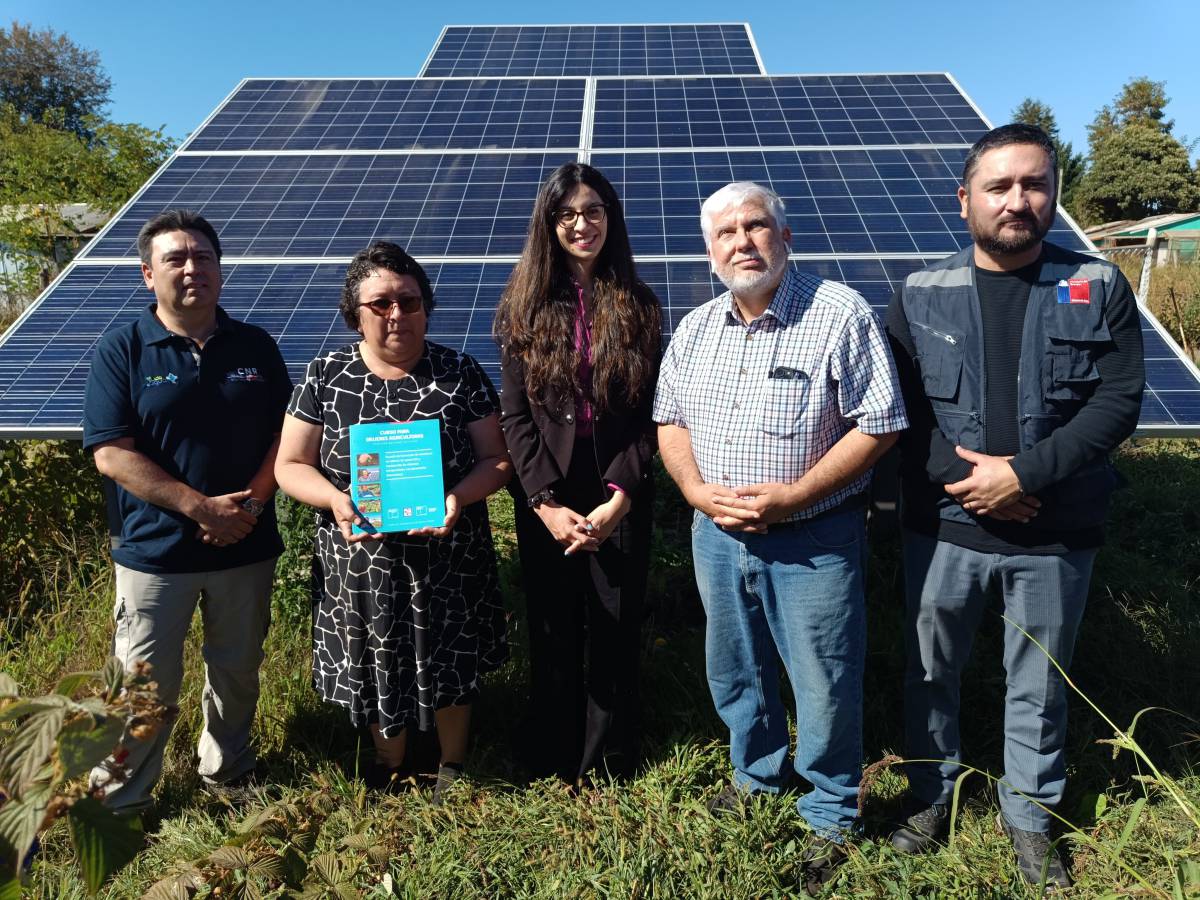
<point x="751" y="282"/>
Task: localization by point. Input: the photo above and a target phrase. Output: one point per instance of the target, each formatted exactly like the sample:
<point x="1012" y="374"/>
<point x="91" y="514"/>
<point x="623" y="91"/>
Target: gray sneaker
<point x="1035" y="853"/>
<point x="447" y="777"/>
<point x="923" y="829"/>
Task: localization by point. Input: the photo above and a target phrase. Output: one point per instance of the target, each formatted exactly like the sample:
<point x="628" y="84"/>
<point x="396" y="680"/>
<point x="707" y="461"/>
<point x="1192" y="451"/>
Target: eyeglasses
<point x="593" y="215"/>
<point x="408" y="305"/>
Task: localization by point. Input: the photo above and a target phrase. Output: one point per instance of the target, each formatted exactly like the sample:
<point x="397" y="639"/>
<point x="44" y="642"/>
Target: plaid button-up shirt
<point x="764" y="401"/>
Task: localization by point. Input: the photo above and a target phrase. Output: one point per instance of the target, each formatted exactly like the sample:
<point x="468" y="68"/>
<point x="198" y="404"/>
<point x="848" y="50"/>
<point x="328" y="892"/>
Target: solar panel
<point x="397" y="114"/>
<point x="434" y="204"/>
<point x="299" y="174"/>
<point x="838" y="201"/>
<point x="564" y="50"/>
<point x="783" y="111"/>
<point x="474" y="204"/>
<point x="43" y="369"/>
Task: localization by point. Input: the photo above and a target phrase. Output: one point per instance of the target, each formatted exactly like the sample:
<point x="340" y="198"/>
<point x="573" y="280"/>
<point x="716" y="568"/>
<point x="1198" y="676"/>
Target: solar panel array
<point x="299" y="174"/>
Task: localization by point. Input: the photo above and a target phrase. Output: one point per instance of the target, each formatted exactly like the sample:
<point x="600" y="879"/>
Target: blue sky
<point x="172" y="63"/>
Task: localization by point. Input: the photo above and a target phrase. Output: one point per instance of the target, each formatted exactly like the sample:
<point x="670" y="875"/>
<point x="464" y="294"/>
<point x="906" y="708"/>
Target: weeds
<point x="499" y="836"/>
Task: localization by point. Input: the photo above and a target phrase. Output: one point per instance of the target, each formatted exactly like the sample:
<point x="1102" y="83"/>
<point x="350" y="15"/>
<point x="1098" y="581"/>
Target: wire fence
<point x="1170" y="291"/>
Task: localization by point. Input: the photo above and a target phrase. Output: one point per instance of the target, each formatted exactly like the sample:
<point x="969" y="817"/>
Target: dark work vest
<point x="1065" y="330"/>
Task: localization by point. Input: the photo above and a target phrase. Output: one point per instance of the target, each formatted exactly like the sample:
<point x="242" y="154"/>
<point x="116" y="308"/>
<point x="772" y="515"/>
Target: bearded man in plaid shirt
<point x="774" y="401"/>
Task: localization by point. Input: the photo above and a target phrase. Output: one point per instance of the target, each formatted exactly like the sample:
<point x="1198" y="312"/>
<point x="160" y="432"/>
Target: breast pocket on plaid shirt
<point x="784" y="400"/>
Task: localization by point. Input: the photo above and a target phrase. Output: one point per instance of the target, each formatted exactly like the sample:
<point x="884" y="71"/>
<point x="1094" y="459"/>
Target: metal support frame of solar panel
<point x="823" y="175"/>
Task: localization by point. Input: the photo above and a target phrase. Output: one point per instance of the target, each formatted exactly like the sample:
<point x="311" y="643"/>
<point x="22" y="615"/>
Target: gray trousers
<point x="947" y="588"/>
<point x="153" y="614"/>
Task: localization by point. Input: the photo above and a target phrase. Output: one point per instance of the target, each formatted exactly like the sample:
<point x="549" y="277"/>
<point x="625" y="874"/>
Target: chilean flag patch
<point x="1074" y="290"/>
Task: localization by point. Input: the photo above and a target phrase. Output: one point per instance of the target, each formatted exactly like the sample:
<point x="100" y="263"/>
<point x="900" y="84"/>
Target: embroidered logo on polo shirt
<point x="246" y="373"/>
<point x="159" y="380"/>
<point x="1074" y="290"/>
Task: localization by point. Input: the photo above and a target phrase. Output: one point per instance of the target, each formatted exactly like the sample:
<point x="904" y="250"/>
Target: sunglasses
<point x="408" y="305"/>
<point x="567" y="217"/>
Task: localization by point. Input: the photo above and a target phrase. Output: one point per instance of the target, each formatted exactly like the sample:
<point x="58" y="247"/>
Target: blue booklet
<point x="396" y="475"/>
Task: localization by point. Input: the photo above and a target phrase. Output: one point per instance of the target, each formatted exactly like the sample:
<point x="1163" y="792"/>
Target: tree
<point x="1070" y="163"/>
<point x="60" y="159"/>
<point x="41" y="71"/>
<point x="1035" y="112"/>
<point x="1140" y="101"/>
<point x="45" y="169"/>
<point x="1138" y="171"/>
<point x="1137" y="167"/>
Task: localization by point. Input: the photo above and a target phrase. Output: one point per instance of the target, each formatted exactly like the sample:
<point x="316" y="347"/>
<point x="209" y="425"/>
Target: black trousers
<point x="585" y="613"/>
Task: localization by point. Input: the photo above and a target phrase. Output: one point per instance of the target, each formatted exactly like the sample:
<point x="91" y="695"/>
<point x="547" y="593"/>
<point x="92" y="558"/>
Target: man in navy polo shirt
<point x="183" y="412"/>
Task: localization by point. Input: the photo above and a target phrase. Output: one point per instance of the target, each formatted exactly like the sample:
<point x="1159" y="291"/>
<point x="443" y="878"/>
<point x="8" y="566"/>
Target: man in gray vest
<point x="1021" y="366"/>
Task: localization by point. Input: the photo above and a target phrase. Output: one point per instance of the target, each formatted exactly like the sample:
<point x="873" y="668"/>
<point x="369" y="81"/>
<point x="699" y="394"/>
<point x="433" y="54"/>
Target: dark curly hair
<point x="381" y="255"/>
<point x="535" y="320"/>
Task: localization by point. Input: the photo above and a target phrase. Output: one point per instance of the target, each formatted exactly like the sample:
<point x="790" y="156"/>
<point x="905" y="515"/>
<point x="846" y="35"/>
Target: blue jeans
<point x="947" y="588"/>
<point x="795" y="593"/>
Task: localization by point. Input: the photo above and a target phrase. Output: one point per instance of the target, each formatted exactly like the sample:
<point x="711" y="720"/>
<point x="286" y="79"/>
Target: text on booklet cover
<point x="396" y="475"/>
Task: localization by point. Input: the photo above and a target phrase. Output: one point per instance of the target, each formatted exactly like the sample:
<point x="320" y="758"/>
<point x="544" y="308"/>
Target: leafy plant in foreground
<point x="274" y="852"/>
<point x="47" y="745"/>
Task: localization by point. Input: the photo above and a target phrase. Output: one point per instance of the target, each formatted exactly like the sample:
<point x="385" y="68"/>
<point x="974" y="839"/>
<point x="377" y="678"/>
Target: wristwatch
<point x="545" y="495"/>
<point x="254" y="506"/>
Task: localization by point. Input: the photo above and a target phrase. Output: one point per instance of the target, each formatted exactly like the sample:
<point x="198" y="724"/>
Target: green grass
<point x="498" y="836"/>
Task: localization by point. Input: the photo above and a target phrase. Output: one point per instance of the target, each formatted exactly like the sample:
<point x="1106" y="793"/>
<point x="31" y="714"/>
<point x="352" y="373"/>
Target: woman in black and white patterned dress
<point x="404" y="624"/>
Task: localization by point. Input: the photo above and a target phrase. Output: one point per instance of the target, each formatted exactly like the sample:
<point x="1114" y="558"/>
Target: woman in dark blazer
<point x="580" y="339"/>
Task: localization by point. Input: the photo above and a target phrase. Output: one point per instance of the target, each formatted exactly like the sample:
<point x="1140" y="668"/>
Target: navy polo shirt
<point x="206" y="416"/>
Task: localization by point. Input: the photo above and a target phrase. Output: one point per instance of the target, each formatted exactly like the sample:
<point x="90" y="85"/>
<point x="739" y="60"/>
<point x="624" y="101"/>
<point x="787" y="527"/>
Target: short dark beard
<point x="995" y="244"/>
<point x="999" y="246"/>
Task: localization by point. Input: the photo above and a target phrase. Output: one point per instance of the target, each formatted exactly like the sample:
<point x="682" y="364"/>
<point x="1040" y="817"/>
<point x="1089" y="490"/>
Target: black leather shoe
<point x="923" y="828"/>
<point x="732" y="799"/>
<point x="1034" y="853"/>
<point x="235" y="791"/>
<point x="385" y="779"/>
<point x="819" y="861"/>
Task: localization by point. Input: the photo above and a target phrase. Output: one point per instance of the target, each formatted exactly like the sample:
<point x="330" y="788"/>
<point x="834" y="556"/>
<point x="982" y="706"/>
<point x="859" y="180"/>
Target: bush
<point x="1175" y="301"/>
<point x="292" y="601"/>
<point x="50" y="743"/>
<point x="51" y="523"/>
